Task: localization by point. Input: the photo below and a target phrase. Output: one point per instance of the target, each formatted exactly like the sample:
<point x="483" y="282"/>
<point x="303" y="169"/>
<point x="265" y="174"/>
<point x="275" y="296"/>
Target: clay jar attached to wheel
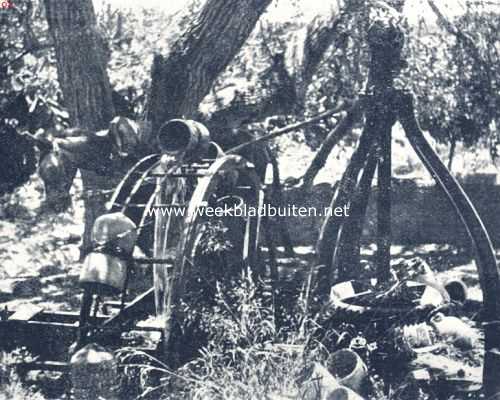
<point x="105" y="269"/>
<point x="188" y="138"/>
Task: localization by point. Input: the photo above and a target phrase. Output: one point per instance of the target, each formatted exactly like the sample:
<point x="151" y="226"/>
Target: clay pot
<point x="115" y="227"/>
<point x="94" y="373"/>
<point x="455" y="330"/>
<point x="124" y="135"/>
<point x="344" y="393"/>
<point x="319" y="386"/>
<point x="418" y="336"/>
<point x="349" y="369"/>
<point x="457" y="290"/>
<point x="103" y="274"/>
<point x="52" y="169"/>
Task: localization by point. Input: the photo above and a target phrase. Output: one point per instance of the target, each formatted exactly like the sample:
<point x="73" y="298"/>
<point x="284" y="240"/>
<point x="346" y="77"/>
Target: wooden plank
<point x="55" y="366"/>
<point x="26" y="312"/>
<point x="65" y="317"/>
<point x="44" y="339"/>
<point x="138" y="308"/>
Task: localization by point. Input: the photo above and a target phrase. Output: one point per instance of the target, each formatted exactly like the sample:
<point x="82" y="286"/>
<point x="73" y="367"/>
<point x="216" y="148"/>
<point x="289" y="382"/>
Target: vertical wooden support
<point x="328" y="236"/>
<point x="386" y="43"/>
<point x="384" y="205"/>
<point x="277" y="200"/>
<point x="346" y="257"/>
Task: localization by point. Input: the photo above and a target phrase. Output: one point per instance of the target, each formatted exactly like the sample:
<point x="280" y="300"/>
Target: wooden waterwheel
<point x="189" y="231"/>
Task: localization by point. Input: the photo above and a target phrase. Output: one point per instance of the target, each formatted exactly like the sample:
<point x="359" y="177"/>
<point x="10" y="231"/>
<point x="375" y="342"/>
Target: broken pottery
<point x="455" y="330"/>
<point x="319" y="385"/>
<point x="348" y="367"/>
<point x="457" y="289"/>
<point x="322" y="385"/>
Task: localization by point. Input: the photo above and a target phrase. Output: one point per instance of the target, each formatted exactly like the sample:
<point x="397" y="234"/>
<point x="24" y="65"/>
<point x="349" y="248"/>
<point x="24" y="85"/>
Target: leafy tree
<point x="454" y="72"/>
<point x="27" y="69"/>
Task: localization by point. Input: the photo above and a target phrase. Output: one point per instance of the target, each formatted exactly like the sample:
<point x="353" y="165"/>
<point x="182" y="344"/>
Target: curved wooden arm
<point x="487" y="265"/>
<point x="489" y="275"/>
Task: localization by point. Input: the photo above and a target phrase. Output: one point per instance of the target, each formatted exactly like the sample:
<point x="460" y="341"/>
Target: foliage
<point x="18" y="156"/>
<point x="249" y="355"/>
<point x="29" y="91"/>
<point x="11" y="386"/>
<point x="214" y="239"/>
<point x="449" y="86"/>
<point x="133" y="36"/>
<point x="24" y="91"/>
<point x="341" y="76"/>
<point x="456" y="90"/>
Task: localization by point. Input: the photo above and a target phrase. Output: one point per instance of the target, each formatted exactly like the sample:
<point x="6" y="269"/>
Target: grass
<point x="247" y="356"/>
<point x="11" y="387"/>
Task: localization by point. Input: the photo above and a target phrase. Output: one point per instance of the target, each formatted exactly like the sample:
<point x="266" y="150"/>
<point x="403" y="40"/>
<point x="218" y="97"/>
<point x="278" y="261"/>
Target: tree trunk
<point x="181" y="80"/>
<point x="81" y="67"/>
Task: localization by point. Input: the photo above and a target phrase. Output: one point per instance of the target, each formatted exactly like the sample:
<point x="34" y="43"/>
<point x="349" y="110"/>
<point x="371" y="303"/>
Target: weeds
<point x="11" y="387"/>
<point x="247" y="355"/>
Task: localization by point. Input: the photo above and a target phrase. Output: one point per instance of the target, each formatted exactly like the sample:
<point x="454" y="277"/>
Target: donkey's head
<point x="77" y="148"/>
<point x="57" y="172"/>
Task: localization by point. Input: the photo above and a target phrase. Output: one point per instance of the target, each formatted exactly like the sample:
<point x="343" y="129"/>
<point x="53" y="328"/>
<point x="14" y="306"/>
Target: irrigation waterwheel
<point x="129" y="201"/>
<point x="216" y="242"/>
<point x="180" y="210"/>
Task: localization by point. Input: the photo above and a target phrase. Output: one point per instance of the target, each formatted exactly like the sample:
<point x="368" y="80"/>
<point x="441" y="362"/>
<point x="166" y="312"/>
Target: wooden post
<point x="347" y="250"/>
<point x="384" y="205"/>
<point x="328" y="236"/>
<point x="386" y="43"/>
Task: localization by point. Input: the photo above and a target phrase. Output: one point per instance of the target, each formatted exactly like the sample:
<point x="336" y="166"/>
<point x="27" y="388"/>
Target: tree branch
<point x="466" y="40"/>
<point x="26" y="52"/>
<point x="181" y="80"/>
<point x="284" y="84"/>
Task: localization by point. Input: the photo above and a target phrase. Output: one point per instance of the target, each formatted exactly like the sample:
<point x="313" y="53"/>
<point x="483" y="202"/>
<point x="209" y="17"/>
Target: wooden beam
<point x="384" y="205"/>
<point x="140" y="307"/>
